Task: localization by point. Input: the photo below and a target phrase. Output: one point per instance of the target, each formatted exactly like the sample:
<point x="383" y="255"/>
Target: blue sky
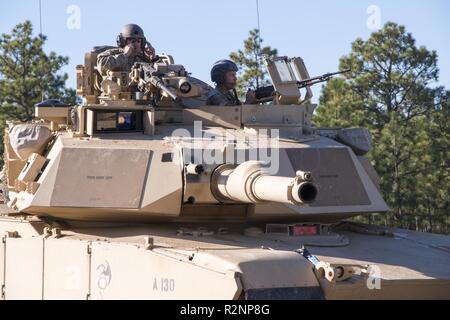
<point x="199" y="32"/>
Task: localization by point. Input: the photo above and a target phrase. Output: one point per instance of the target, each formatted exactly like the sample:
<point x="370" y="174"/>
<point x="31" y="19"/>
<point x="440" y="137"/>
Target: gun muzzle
<point x="250" y="183"/>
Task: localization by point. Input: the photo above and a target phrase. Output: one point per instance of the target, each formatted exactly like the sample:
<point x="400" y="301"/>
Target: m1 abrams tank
<point x="144" y="192"/>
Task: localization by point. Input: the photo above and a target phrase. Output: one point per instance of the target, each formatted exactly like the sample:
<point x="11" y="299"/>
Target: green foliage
<point x="390" y="91"/>
<point x="28" y="74"/>
<point x="252" y="73"/>
<point x="343" y="107"/>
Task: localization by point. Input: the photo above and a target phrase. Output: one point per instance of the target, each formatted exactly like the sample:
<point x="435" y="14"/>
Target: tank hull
<point x="151" y="261"/>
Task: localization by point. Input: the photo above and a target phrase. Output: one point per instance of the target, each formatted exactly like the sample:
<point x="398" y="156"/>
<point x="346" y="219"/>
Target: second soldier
<point x="223" y="73"/>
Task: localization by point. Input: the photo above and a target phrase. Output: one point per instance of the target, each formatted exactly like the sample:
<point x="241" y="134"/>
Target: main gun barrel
<point x="250" y="183"/>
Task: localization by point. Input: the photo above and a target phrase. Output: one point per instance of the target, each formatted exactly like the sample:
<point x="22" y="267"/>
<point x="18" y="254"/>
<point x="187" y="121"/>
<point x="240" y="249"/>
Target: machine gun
<point x="147" y="79"/>
<point x="263" y="93"/>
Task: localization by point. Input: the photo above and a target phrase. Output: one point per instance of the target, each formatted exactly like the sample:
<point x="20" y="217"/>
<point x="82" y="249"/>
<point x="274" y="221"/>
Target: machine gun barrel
<point x="267" y="91"/>
<point x="250" y="183"/>
<point x="319" y="79"/>
<point x="158" y="83"/>
<point x="145" y="76"/>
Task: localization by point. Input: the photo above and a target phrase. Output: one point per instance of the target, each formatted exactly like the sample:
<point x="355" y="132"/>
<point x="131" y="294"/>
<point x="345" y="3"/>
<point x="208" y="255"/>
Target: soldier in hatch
<point x="132" y="47"/>
<point x="223" y="73"/>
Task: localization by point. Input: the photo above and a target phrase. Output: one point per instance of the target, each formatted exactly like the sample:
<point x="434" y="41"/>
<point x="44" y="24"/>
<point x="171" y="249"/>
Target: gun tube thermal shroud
<point x="249" y="182"/>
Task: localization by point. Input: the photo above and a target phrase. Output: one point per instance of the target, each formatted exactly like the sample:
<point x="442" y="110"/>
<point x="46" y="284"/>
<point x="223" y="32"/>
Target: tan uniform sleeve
<point x="111" y="60"/>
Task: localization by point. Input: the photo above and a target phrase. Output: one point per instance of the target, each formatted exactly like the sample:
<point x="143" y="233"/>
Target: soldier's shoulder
<point x="215" y="97"/>
<point x="213" y="92"/>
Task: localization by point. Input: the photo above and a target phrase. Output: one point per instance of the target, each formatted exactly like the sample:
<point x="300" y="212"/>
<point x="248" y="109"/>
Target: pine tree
<point x="391" y="92"/>
<point x="28" y="74"/>
<point x="252" y="73"/>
